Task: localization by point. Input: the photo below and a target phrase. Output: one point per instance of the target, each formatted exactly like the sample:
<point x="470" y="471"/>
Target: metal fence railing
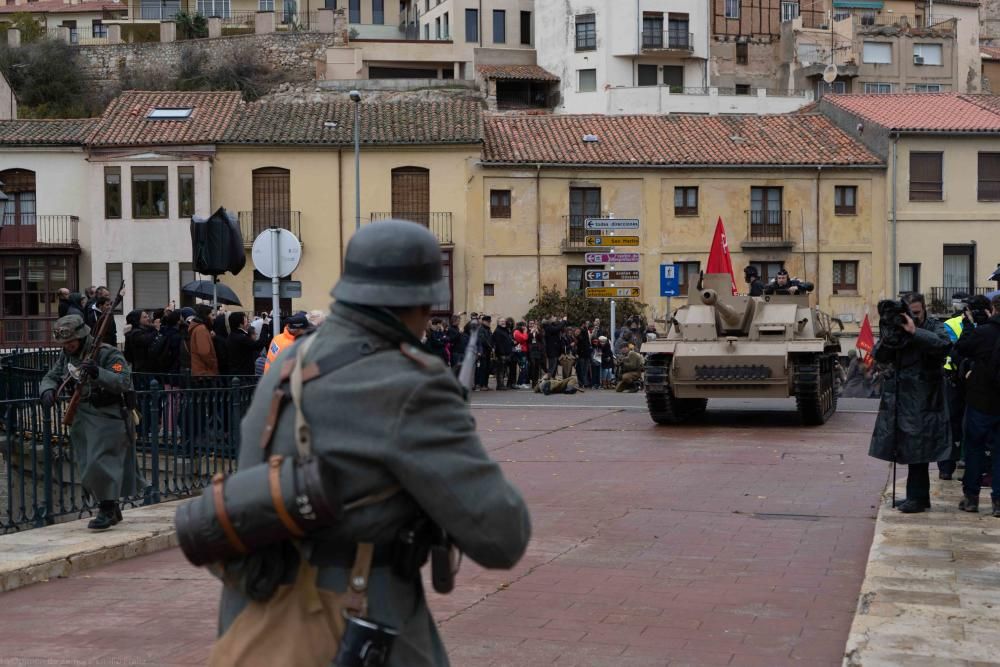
<point x="438" y="222"/>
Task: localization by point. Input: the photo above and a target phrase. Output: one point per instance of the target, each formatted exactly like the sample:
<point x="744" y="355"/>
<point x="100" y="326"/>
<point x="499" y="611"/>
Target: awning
<point x="857" y="4"/>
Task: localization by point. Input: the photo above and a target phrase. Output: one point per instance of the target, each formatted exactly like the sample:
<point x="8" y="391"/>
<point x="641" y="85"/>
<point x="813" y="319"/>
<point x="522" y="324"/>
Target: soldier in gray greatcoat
<point x="395" y="415"/>
<point x="100" y="436"/>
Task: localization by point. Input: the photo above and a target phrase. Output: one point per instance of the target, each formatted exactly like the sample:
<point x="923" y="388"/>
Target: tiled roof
<point x="959" y="3"/>
<point x="124" y="122"/>
<point x="60" y="7"/>
<point x="45" y="132"/>
<point x="671" y="140"/>
<point x="923" y="112"/>
<point x="989" y="52"/>
<point x="516" y="73"/>
<point x="332" y="123"/>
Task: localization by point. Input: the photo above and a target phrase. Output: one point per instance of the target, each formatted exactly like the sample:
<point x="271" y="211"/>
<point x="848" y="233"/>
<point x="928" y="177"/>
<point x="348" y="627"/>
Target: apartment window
<point x="878" y="88"/>
<point x="499" y="203"/>
<point x="575" y="278"/>
<point x="98" y="29"/>
<point x="378" y="12"/>
<point x="185" y="191"/>
<point x="685" y="201"/>
<point x="220" y="8"/>
<point x="958" y="272"/>
<point x="766" y="216"/>
<point x="150" y="286"/>
<point x="471" y="25"/>
<point x="989" y="177"/>
<point x="926" y="182"/>
<point x="927" y="54"/>
<point x="113" y="276"/>
<point x="909" y="278"/>
<point x="742" y="53"/>
<point x="845" y="199"/>
<point x="732" y="9"/>
<point x="446" y="27"/>
<point x="876" y="53"/>
<point x="526" y="28"/>
<point x="824" y="88"/>
<point x="768" y="270"/>
<point x="742" y="89"/>
<point x="267" y="5"/>
<point x="678" y="35"/>
<point x="789" y="11"/>
<point x="427" y="31"/>
<point x="647" y="75"/>
<point x="112" y="193"/>
<point x="499" y="26"/>
<point x="149" y="192"/>
<point x="587" y="80"/>
<point x="354" y="11"/>
<point x="187" y="275"/>
<point x="845" y="276"/>
<point x="673" y="76"/>
<point x="489" y="289"/>
<point x="586" y="32"/>
<point x="583" y="203"/>
<point x="687" y="275"/>
<point x="927" y="88"/>
<point x="652" y="31"/>
<point x="437" y="28"/>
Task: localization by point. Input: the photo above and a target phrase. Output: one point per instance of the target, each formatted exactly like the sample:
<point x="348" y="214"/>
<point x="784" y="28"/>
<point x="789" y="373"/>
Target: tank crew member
<point x="782" y="284"/>
<point x="752" y="278"/>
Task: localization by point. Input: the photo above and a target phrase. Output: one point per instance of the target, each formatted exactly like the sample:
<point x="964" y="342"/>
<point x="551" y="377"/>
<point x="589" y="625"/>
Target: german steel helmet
<point x="70" y="327"/>
<point x="393" y="263"/>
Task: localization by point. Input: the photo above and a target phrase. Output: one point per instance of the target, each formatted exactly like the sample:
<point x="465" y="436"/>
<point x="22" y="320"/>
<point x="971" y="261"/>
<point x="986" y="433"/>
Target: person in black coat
<point x="139" y="341"/>
<point x="220" y="340"/>
<point x="553" y="330"/>
<point x="583" y="350"/>
<point x="536" y="353"/>
<point x="484" y="346"/>
<point x="241" y="348"/>
<point x="503" y="348"/>
<point x="456" y="343"/>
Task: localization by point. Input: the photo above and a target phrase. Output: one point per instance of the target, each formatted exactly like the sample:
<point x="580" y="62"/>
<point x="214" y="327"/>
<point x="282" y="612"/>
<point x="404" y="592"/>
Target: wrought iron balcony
<point x="767" y="229"/>
<point x="28" y="230"/>
<point x="252" y="223"/>
<point x="667" y="40"/>
<point x="941" y="297"/>
<point x="575" y="239"/>
<point x="439" y="222"/>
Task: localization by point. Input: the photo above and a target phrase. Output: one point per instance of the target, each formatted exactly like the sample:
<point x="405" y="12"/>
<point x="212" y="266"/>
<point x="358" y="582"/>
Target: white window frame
<point x="265" y="5"/>
<point x="789" y="10"/>
<point x="732" y="9"/>
<point x="927" y="88"/>
<point x="874" y="53"/>
<point x="880" y="88"/>
<point x="924" y="49"/>
<point x="579" y="80"/>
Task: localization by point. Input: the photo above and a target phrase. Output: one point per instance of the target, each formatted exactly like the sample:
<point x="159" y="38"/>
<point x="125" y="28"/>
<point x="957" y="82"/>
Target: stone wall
<point x="295" y="54"/>
<point x="989" y="22"/>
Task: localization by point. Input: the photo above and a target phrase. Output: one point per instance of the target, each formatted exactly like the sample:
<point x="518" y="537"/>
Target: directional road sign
<point x="610" y="241"/>
<point x="608" y="258"/>
<point x="612" y="275"/>
<point x="610" y="223"/>
<point x="612" y="292"/>
<point x="669" y="280"/>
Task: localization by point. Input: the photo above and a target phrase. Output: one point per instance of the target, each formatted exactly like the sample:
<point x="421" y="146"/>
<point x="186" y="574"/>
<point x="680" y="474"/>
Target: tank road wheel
<point x="665" y="409"/>
<point x="815" y="394"/>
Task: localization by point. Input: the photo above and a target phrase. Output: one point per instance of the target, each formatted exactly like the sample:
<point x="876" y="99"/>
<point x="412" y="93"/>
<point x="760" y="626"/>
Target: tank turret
<point x="730" y="317"/>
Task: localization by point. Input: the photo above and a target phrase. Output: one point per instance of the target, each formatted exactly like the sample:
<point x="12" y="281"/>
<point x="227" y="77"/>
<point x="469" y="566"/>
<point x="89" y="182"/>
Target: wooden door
<point x="411" y="194"/>
<point x="271" y="199"/>
<point x="19" y="219"/>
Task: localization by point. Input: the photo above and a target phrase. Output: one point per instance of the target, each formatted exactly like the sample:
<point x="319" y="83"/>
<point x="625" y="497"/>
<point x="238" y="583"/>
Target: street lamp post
<point x="356" y="98"/>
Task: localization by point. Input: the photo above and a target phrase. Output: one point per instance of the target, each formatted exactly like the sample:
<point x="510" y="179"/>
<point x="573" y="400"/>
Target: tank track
<point x="664" y="408"/>
<point x="814" y="386"/>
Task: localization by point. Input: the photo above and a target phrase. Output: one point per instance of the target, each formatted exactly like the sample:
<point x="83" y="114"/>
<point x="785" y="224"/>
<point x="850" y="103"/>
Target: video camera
<point x="892" y="322"/>
<point x="979" y="307"/>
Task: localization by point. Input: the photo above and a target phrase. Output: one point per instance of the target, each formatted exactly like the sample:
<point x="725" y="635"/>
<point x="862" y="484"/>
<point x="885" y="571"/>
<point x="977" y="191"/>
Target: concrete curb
<point x="931" y="593"/>
<point x="41" y="554"/>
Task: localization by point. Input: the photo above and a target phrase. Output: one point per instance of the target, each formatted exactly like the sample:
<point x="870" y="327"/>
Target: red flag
<point x="866" y="341"/>
<point x="719" y="260"/>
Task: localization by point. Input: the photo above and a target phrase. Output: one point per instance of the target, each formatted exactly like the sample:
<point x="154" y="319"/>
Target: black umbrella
<point x="204" y="289"/>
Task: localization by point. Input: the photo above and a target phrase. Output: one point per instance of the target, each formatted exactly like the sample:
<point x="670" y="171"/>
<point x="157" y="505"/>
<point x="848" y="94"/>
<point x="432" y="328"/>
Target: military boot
<point x="913" y="506"/>
<point x="105" y="516"/>
<point x="970" y="503"/>
<point x="118" y="514"/>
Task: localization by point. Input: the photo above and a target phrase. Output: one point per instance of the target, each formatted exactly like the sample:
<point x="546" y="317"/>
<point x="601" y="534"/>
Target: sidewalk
<point x="41" y="554"/>
<point x="931" y="594"/>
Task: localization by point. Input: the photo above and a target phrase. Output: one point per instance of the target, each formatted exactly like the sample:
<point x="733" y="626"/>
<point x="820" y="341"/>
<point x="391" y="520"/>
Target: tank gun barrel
<point x="732" y="317"/>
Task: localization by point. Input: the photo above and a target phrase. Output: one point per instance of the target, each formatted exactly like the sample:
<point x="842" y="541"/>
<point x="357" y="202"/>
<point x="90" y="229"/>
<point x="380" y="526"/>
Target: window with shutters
<point x="673" y="76"/>
<point x="112" y="193"/>
<point x="927" y="54"/>
<point x="845" y="277"/>
<point x="926" y="181"/>
<point x="19" y="217"/>
<point x="499" y="203"/>
<point x="586" y="32"/>
<point x="587" y="80"/>
<point x="411" y="194"/>
<point x="150" y="286"/>
<point x="149" y="192"/>
<point x="583" y="203"/>
<point x="271" y="199"/>
<point x="845" y="198"/>
<point x="989" y="177"/>
<point x="686" y="201"/>
<point x="647" y="75"/>
<point x="876" y="53"/>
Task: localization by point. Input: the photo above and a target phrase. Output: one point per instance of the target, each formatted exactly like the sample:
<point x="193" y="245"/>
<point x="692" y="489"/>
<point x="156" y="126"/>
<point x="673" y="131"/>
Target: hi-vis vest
<point x="278" y="343"/>
<point x="954" y="329"/>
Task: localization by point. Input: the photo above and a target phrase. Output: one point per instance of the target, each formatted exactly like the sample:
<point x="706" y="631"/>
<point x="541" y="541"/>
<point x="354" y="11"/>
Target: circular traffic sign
<point x="288" y="256"/>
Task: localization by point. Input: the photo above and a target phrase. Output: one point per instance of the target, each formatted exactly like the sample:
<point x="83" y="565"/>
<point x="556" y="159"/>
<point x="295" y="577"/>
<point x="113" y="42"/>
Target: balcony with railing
<point x="575" y="239"/>
<point x="668" y="40"/>
<point x="438" y="222"/>
<point x="253" y="223"/>
<point x="768" y="229"/>
<point x="27" y="230"/>
<point x="942" y="297"/>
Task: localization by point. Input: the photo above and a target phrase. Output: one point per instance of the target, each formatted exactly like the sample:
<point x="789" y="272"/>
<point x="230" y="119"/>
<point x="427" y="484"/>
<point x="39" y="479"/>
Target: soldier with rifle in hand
<point x="99" y="416"/>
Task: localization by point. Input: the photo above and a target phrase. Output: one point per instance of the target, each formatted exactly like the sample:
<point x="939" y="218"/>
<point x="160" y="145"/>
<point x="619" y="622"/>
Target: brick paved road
<point x="740" y="541"/>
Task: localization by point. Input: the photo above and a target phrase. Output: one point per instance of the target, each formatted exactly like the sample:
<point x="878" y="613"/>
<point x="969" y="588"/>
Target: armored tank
<point x="726" y="346"/>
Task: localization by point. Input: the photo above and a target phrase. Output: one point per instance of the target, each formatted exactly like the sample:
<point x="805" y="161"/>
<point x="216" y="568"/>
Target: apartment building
<point x="943" y="186"/>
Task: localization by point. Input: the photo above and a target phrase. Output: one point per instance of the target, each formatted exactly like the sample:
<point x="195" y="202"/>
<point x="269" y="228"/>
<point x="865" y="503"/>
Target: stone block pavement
<point x="742" y="540"/>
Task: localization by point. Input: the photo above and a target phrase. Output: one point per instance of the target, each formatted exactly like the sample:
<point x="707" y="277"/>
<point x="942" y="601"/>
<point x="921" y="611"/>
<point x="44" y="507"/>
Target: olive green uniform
<point x="394" y="416"/>
<point x="631" y="371"/>
<point x="103" y="451"/>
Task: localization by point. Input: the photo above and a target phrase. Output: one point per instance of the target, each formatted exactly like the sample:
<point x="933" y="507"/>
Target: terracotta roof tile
<point x="989" y="52"/>
<point x="515" y="73"/>
<point x="45" y="132"/>
<point x="390" y="123"/>
<point x="799" y="139"/>
<point x="125" y="122"/>
<point x="923" y="112"/>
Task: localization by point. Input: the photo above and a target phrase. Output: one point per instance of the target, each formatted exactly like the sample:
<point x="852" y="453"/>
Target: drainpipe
<point x="538" y="228"/>
<point x="892" y="243"/>
<point x="340" y="207"/>
<point x="819" y="213"/>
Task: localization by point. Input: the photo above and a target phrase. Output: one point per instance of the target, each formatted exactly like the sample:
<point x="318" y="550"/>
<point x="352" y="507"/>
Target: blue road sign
<point x="669" y="284"/>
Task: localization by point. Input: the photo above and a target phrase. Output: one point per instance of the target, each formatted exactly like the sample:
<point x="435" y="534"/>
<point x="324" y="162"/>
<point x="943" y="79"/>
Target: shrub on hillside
<point x="48" y="80"/>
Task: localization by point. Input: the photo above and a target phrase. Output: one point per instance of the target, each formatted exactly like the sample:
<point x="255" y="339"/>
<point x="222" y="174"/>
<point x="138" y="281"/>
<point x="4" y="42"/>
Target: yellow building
<point x="292" y="166"/>
<point x="793" y="191"/>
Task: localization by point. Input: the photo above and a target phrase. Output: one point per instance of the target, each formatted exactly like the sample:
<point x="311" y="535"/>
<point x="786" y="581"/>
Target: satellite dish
<point x="830" y="73"/>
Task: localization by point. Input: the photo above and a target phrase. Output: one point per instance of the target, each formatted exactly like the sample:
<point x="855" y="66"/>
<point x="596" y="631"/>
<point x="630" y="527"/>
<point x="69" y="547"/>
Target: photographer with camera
<point x="913" y="425"/>
<point x="979" y="348"/>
